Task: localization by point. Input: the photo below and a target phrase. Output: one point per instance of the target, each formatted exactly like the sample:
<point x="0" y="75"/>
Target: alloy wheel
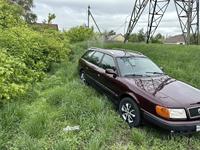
<point x="128" y="112"/>
<point x="82" y="77"/>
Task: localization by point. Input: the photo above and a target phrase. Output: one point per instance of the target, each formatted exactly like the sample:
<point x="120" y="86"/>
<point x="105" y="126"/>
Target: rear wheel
<point x="82" y="77"/>
<point x="130" y="112"/>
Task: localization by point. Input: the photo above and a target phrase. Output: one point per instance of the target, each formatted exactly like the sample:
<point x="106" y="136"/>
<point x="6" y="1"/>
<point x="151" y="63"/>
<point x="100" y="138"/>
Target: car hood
<point x="168" y="91"/>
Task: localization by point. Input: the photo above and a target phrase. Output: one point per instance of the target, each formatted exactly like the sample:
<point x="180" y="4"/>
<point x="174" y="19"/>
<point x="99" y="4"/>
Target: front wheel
<point x="130" y="112"/>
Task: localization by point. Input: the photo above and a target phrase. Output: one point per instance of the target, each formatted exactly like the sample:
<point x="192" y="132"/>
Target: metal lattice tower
<point x="188" y="14"/>
<point x="135" y="16"/>
<point x="157" y="9"/>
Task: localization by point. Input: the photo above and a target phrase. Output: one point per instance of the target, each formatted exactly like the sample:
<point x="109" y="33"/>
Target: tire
<point x="130" y="112"/>
<point x="82" y="77"/>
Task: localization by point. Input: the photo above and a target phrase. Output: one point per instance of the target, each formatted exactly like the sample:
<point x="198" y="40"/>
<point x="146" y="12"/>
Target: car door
<point x="112" y="85"/>
<point x="85" y="64"/>
<point x="93" y="70"/>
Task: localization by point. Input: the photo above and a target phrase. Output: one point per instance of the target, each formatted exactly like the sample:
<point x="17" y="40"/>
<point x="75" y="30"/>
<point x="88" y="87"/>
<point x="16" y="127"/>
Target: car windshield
<point x="138" y="66"/>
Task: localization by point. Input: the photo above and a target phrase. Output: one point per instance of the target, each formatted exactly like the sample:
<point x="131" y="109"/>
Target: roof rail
<point x="128" y="50"/>
<point x="93" y="48"/>
<point x="137" y="52"/>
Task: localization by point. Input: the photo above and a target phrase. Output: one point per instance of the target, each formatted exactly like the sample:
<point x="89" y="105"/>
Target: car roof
<point x="118" y="52"/>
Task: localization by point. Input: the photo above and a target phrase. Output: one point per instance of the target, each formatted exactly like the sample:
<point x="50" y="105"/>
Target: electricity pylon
<point x="187" y="11"/>
<point x="135" y="16"/>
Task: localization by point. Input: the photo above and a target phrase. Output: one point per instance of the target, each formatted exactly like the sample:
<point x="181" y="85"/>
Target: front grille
<point x="194" y="112"/>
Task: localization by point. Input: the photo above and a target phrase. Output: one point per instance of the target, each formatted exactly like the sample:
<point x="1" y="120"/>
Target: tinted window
<point x="108" y="62"/>
<point x="96" y="58"/>
<point x="88" y="55"/>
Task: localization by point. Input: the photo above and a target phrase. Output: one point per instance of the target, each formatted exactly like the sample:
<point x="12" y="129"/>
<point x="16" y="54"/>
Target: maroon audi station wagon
<point x="141" y="90"/>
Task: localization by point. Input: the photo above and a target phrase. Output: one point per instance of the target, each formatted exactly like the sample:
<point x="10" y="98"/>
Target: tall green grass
<point x="36" y="121"/>
<point x="179" y="61"/>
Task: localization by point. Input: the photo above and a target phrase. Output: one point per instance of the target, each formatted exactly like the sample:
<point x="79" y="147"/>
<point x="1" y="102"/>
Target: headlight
<point x="177" y="113"/>
<point x="171" y="113"/>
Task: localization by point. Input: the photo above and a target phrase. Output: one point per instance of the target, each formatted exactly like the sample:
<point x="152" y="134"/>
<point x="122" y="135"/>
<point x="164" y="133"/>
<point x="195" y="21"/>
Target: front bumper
<point x="173" y="126"/>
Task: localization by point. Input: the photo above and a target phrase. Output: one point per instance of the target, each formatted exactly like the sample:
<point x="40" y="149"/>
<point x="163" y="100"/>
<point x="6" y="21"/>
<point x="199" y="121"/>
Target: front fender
<point x="130" y="94"/>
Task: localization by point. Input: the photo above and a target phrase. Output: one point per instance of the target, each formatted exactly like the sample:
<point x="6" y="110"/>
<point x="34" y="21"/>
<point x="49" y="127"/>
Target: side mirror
<point x="112" y="72"/>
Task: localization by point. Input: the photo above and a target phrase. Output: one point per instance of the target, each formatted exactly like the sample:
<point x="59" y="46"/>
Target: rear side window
<point x="88" y="55"/>
<point x="96" y="58"/>
<point x="108" y="62"/>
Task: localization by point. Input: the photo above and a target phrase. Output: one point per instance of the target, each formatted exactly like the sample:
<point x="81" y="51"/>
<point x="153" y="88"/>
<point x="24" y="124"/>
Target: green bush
<point x="79" y="34"/>
<point x="26" y="55"/>
<point x="36" y="50"/>
<point x="14" y="76"/>
<point x="33" y="53"/>
<point x="9" y="15"/>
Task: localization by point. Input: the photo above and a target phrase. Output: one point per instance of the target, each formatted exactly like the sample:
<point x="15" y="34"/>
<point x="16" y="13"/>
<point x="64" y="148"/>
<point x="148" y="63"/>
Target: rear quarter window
<point x="96" y="58"/>
<point x="88" y="55"/>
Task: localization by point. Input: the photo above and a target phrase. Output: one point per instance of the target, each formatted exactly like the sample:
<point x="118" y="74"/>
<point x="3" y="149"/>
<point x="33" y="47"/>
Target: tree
<point x="26" y="6"/>
<point x="108" y="34"/>
<point x="80" y="33"/>
<point x="141" y="35"/>
<point x="133" y="38"/>
<point x="137" y="37"/>
<point x="51" y="17"/>
<point x="158" y="38"/>
<point x="9" y="15"/>
<point x="112" y="32"/>
<point x="30" y="18"/>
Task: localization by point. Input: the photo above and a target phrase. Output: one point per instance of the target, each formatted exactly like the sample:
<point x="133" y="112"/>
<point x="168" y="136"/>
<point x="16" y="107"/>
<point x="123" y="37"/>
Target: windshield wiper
<point x="161" y="73"/>
<point x="134" y="75"/>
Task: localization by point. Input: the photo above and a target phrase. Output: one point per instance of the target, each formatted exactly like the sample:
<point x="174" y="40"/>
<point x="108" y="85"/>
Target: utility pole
<point x="90" y="15"/>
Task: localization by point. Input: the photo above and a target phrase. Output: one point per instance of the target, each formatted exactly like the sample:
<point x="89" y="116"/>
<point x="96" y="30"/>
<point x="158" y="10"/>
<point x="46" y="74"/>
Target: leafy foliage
<point x="14" y="76"/>
<point x="138" y="37"/>
<point x="51" y="17"/>
<point x="36" y="50"/>
<point x="141" y="37"/>
<point x="9" y="15"/>
<point x="158" y="38"/>
<point x="107" y="34"/>
<point x="27" y="54"/>
<point x="26" y="6"/>
<point x="78" y="34"/>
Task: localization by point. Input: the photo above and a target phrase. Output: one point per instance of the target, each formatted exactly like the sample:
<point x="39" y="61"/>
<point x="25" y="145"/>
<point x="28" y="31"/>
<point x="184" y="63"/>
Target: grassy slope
<point x="37" y="121"/>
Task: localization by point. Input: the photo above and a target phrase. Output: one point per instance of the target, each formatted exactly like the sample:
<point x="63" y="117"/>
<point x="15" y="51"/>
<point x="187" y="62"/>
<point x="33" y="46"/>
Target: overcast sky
<point x="109" y="14"/>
